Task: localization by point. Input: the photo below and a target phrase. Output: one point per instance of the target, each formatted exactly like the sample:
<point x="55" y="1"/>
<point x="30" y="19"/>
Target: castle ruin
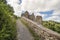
<point x="32" y="17"/>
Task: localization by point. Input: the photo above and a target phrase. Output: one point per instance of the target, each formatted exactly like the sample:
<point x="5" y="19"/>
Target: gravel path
<point x="23" y="32"/>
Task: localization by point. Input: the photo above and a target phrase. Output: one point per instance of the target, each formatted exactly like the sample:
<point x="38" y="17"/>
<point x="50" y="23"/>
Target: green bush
<point x="7" y="22"/>
<point x="55" y="26"/>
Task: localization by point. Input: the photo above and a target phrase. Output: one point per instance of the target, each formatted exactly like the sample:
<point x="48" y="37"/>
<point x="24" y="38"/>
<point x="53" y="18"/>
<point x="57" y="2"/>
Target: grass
<point x="36" y="37"/>
<point x="54" y="26"/>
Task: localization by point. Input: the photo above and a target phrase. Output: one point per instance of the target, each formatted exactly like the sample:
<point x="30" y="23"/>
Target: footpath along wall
<point x="43" y="33"/>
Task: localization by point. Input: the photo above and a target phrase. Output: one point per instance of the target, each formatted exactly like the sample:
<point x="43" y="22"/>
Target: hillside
<point x="55" y="26"/>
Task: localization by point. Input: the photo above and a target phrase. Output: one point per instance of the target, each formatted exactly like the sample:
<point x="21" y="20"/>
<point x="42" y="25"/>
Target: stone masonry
<point x="32" y="17"/>
<point x="43" y="33"/>
<point x="26" y="14"/>
<point x="39" y="19"/>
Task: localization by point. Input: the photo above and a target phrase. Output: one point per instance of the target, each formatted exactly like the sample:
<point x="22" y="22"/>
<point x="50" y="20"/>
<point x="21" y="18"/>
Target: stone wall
<point x="38" y="19"/>
<point x="32" y="17"/>
<point x="26" y="14"/>
<point x="44" y="33"/>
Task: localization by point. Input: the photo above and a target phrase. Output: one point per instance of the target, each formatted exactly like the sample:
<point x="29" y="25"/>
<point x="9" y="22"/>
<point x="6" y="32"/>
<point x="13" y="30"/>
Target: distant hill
<point x="55" y="26"/>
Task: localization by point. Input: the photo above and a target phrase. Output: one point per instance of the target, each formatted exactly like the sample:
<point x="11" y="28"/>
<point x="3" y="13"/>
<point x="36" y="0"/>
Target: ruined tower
<point x="32" y="17"/>
<point x="26" y="14"/>
<point x="39" y="19"/>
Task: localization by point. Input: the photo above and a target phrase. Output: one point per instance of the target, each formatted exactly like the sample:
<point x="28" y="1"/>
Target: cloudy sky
<point x="48" y="9"/>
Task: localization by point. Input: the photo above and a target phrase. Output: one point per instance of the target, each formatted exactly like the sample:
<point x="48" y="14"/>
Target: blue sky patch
<point x="20" y="1"/>
<point x="47" y="13"/>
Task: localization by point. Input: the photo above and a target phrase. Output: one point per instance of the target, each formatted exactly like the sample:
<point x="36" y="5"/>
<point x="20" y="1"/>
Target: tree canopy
<point x="7" y="22"/>
<point x="55" y="26"/>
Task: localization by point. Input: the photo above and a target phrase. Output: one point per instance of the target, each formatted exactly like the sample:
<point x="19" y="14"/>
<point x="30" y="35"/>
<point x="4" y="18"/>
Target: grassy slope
<point x="55" y="26"/>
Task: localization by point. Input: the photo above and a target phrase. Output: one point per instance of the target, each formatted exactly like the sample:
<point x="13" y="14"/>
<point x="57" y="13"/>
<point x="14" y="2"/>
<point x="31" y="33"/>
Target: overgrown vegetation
<point x="55" y="26"/>
<point x="7" y="22"/>
<point x="36" y="37"/>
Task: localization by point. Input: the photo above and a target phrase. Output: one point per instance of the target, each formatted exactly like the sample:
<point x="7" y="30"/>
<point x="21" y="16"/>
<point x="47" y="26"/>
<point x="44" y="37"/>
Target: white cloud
<point x="37" y="6"/>
<point x="16" y="6"/>
<point x="55" y="18"/>
<point x="13" y="2"/>
<point x="38" y="14"/>
<point x="56" y="13"/>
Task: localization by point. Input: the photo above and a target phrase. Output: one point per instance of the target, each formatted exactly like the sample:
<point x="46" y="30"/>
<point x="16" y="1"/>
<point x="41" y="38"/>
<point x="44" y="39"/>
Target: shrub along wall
<point x="55" y="26"/>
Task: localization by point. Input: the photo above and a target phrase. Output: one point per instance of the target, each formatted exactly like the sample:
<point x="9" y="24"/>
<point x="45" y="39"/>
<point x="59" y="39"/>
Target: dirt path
<point x="23" y="32"/>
